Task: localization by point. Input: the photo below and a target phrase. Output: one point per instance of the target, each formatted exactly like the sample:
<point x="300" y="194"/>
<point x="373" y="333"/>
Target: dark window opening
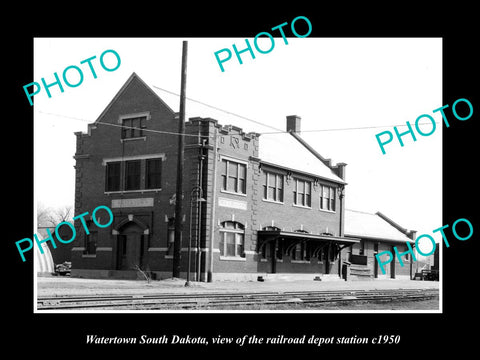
<point x="133" y="128"/>
<point x="132" y="175"/>
<point x="113" y="176"/>
<point x="154" y="173"/>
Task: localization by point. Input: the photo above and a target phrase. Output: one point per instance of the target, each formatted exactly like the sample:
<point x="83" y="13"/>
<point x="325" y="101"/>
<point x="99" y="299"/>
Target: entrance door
<point x="129" y="247"/>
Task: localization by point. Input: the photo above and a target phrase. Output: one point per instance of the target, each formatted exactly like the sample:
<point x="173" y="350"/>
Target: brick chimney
<point x="293" y="123"/>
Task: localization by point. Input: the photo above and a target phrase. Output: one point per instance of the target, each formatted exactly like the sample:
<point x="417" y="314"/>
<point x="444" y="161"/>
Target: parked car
<point x="63" y="269"/>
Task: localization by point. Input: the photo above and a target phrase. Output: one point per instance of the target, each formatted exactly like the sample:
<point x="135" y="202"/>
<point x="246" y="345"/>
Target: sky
<point x="331" y="83"/>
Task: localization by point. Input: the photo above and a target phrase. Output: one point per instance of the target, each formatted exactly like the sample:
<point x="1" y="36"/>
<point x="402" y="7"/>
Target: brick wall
<point x="104" y="142"/>
<point x="150" y="210"/>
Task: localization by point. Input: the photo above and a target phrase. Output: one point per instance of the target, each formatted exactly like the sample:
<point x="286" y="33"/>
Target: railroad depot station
<point x="254" y="205"/>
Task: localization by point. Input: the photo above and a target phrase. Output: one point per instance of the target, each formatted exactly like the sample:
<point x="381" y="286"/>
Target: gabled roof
<point x="133" y="77"/>
<point x="284" y="150"/>
<point x="373" y="226"/>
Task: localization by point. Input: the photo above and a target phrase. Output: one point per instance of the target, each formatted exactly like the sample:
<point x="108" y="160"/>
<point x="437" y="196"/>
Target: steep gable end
<point x="134" y="95"/>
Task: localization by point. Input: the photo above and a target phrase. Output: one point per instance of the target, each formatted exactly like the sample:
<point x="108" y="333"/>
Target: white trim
<point x="133" y="157"/>
<point x="233" y="193"/>
<point x="230" y="158"/>
<point x="157" y="249"/>
<point x="233" y="258"/>
<point x="274" y="202"/>
<point x="328" y="211"/>
<point x="184" y="249"/>
<point x="302" y="207"/>
<point x="144" y="138"/>
<point x="132" y="203"/>
<point x="250" y="252"/>
<point x="232" y="203"/>
<point x="134" y="115"/>
<point x="141" y="191"/>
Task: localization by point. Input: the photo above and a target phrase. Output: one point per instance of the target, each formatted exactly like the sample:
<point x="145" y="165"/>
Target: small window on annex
<point x="232" y="239"/>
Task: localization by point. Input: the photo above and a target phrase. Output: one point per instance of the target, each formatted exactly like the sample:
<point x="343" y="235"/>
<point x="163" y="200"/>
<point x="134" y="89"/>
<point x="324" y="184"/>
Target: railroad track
<point x="209" y="301"/>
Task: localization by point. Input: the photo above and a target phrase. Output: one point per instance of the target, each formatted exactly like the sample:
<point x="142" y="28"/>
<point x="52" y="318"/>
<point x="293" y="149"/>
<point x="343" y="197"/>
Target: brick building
<point x="378" y="233"/>
<point x="253" y="204"/>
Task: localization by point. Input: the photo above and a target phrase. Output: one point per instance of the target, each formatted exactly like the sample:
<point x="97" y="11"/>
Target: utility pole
<point x="177" y="245"/>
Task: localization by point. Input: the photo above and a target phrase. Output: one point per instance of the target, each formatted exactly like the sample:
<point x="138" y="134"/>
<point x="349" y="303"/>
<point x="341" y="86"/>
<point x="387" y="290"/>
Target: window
<point x="300" y="252"/>
<point x="234" y="176"/>
<point x="154" y="173"/>
<point x="302" y="193"/>
<point x="113" y="176"/>
<point x="273" y="187"/>
<point x="91" y="243"/>
<point x="327" y="198"/>
<point x="136" y="173"/>
<point x="133" y="127"/>
<point x="132" y="175"/>
<point x="232" y="239"/>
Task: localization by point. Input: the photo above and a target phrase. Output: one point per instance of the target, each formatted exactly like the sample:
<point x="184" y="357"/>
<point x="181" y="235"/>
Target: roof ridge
<point x="310" y="148"/>
<point x="122" y="89"/>
<point x="360" y="211"/>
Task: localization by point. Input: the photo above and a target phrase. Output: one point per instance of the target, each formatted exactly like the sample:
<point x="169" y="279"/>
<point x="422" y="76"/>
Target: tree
<point x="51" y="217"/>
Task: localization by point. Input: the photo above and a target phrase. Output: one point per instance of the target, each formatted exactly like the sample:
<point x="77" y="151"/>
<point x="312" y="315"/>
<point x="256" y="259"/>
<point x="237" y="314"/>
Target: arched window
<point x="232" y="239"/>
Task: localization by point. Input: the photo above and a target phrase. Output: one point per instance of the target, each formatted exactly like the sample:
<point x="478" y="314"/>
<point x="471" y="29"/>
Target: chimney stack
<point x="293" y="123"/>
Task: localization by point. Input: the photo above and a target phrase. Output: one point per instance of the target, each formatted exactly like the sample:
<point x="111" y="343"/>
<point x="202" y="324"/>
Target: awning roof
<point x="366" y="225"/>
<point x="306" y="236"/>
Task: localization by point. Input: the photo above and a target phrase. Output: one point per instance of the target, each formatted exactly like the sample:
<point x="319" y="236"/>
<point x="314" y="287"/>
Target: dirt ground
<point x="58" y="285"/>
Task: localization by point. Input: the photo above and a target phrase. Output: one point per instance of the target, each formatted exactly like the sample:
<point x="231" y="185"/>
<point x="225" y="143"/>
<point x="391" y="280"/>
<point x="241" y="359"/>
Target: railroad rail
<point x="201" y="300"/>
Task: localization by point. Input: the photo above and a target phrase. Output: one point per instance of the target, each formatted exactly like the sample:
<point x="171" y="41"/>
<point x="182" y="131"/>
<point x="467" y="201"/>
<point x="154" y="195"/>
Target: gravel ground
<point x="56" y="286"/>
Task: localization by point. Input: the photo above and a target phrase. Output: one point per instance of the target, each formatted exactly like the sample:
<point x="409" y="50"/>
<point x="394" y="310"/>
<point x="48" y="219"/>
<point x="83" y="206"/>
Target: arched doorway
<point x="130" y="246"/>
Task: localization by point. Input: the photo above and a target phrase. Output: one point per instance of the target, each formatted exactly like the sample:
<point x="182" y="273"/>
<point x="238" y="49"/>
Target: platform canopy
<point x="267" y="235"/>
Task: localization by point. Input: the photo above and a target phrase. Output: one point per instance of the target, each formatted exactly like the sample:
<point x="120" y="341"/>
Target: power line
<point x="121" y="126"/>
<point x="278" y="131"/>
<point x="352" y="128"/>
<point x="206" y="136"/>
<point x="219" y="109"/>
